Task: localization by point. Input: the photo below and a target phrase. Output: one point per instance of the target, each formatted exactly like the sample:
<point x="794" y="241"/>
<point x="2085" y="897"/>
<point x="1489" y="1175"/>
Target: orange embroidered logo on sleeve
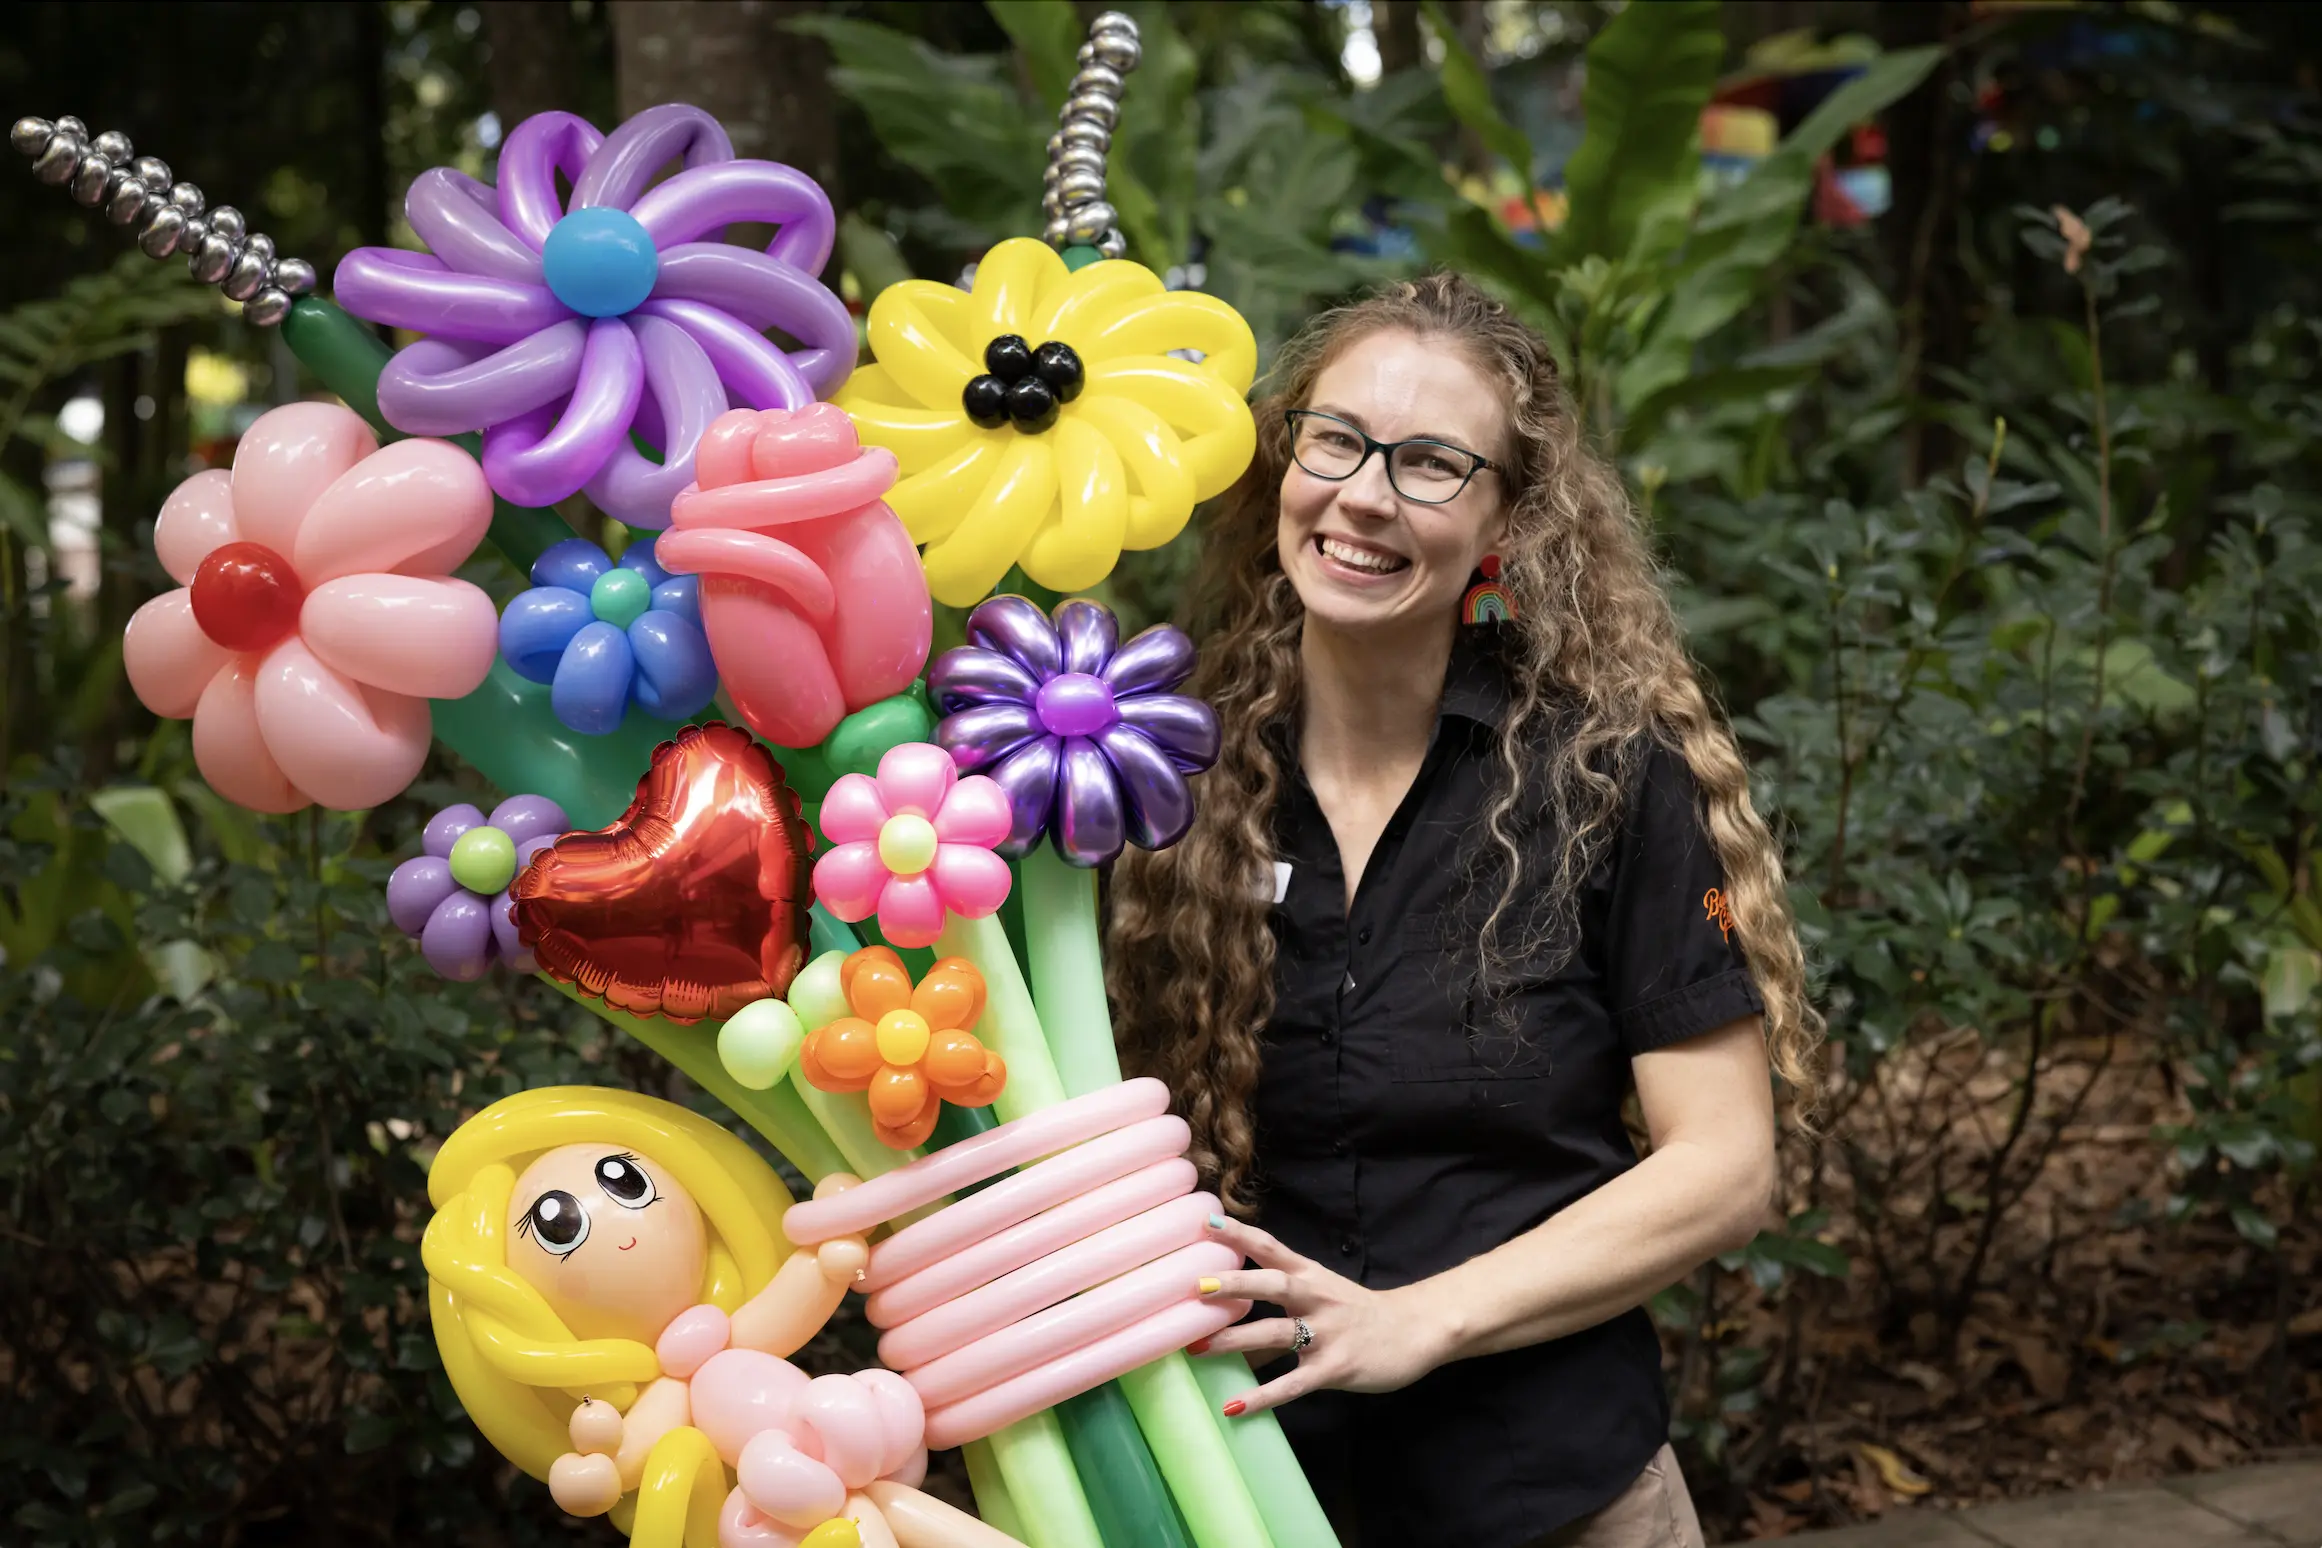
<point x="1719" y="912"/>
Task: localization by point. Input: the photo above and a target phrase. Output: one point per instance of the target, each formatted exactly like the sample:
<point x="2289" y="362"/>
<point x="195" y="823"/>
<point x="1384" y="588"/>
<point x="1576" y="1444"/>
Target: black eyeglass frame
<point x="1291" y="417"/>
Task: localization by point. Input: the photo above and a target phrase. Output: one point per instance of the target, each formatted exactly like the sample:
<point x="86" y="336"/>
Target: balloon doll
<point x="615" y="1303"/>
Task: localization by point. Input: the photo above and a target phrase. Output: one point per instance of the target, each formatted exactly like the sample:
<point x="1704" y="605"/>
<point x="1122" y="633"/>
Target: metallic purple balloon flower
<point x="558" y="329"/>
<point x="1079" y="729"/>
<point x="454" y="897"/>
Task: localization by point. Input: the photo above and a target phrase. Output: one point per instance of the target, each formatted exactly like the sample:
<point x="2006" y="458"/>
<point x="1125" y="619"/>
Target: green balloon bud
<point x="483" y="860"/>
<point x="620" y="597"/>
<point x="1080" y="257"/>
<point x="864" y="737"/>
<point x="816" y="993"/>
<point x="759" y="1042"/>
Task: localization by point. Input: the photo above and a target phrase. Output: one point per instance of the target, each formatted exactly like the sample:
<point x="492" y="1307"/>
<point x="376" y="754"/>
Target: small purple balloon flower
<point x="608" y="635"/>
<point x="454" y="896"/>
<point x="567" y="330"/>
<point x="1079" y="729"/>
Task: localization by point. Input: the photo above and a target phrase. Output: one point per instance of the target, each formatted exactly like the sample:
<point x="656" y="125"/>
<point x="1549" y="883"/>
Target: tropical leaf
<point x="1048" y="34"/>
<point x="1468" y="92"/>
<point x="1650" y="73"/>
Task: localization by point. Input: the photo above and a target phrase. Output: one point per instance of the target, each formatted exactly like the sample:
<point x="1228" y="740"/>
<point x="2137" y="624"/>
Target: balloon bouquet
<point x="868" y="922"/>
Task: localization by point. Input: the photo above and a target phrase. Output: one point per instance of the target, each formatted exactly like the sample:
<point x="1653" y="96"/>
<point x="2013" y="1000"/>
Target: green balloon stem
<point x="508" y="732"/>
<point x="1294" y="1517"/>
<point x="776" y="1113"/>
<point x="1125" y="1489"/>
<point x="348" y="358"/>
<point x="1010" y="1025"/>
<point x="1038" y="1469"/>
<point x="993" y="1501"/>
<point x="1065" y="953"/>
<point x="1193" y="1456"/>
<point x="1080" y="256"/>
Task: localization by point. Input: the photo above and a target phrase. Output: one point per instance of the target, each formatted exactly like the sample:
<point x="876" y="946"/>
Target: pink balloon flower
<point x="812" y="594"/>
<point x="912" y="844"/>
<point x="317" y="614"/>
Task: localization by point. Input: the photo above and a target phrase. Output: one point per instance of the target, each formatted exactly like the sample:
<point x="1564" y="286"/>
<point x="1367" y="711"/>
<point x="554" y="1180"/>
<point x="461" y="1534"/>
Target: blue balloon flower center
<point x="1075" y="704"/>
<point x="599" y="262"/>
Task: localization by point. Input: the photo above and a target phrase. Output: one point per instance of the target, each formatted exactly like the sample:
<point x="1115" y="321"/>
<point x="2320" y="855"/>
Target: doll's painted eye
<point x="557" y="1221"/>
<point x="624" y="1181"/>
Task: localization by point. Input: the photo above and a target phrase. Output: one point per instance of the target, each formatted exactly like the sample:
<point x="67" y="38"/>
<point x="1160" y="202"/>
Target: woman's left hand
<point x="1364" y="1340"/>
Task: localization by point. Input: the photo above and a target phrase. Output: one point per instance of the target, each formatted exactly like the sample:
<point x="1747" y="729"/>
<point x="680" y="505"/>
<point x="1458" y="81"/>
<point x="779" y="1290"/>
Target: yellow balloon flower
<point x="1122" y="463"/>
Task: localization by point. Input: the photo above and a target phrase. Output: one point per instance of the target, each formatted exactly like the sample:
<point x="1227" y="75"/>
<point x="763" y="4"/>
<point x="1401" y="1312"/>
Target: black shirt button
<point x="1348" y="1248"/>
<point x="1338" y="1147"/>
<point x="1329" y="1038"/>
<point x="1364" y="935"/>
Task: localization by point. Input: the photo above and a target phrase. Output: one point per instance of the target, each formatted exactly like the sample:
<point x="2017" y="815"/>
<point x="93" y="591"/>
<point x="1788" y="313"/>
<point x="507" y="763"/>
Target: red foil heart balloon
<point x="694" y="903"/>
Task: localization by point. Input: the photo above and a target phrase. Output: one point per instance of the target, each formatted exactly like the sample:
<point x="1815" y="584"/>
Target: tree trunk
<point x="533" y="58"/>
<point x="1395" y="23"/>
<point x="737" y="60"/>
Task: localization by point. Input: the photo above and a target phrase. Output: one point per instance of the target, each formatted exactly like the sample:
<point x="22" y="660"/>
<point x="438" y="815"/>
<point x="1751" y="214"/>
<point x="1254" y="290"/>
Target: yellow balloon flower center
<point x="903" y="1038"/>
<point x="907" y="844"/>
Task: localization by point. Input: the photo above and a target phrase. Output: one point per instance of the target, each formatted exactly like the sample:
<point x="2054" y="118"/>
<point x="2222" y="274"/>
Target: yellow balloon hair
<point x="517" y="1368"/>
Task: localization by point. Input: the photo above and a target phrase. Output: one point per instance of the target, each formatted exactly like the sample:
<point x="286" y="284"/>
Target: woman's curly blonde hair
<point x="1597" y="671"/>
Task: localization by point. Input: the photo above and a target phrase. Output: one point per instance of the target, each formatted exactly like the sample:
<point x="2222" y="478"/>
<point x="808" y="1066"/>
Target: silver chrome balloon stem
<point x="170" y="217"/>
<point x="1078" y="213"/>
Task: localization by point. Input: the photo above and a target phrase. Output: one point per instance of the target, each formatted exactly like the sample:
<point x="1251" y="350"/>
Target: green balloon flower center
<point x="483" y="860"/>
<point x="620" y="597"/>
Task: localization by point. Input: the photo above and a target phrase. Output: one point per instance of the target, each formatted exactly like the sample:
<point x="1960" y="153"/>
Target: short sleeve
<point x="1673" y="967"/>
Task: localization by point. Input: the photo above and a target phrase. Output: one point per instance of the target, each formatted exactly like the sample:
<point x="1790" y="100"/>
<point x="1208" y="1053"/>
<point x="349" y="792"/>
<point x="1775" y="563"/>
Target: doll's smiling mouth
<point x="625" y="1246"/>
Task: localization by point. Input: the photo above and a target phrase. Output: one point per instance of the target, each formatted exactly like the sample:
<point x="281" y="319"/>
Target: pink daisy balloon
<point x="317" y="613"/>
<point x="913" y="844"/>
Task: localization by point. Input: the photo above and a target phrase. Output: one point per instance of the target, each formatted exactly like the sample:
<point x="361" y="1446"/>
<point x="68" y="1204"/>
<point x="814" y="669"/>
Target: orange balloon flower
<point x="910" y="1050"/>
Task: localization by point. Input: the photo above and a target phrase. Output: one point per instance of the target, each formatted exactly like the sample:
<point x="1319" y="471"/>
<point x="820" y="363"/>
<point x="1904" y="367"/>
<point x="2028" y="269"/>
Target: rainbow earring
<point x="1487" y="601"/>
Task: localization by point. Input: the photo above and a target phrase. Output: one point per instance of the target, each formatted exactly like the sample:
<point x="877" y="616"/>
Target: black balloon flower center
<point x="1023" y="385"/>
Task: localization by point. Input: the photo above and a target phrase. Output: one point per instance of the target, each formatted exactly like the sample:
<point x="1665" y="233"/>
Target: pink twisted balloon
<point x="1077" y="1270"/>
<point x="557" y="331"/>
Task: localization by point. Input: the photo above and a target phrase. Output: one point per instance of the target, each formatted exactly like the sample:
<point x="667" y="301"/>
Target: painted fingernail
<point x="1234" y="1409"/>
<point x="1211" y="1286"/>
<point x="1217" y="1222"/>
<point x="1198" y="1346"/>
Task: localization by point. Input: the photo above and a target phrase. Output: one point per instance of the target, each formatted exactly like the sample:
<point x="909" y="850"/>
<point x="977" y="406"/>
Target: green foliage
<point x="97" y="317"/>
<point x="1645" y="271"/>
<point x="1264" y="165"/>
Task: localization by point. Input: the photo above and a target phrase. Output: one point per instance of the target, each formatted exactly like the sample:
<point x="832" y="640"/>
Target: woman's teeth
<point x="1361" y="558"/>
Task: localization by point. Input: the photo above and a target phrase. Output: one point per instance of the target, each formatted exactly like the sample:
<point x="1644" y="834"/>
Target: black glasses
<point x="1427" y="472"/>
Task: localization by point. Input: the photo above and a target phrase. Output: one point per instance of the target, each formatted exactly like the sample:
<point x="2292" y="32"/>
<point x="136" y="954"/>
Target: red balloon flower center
<point x="246" y="596"/>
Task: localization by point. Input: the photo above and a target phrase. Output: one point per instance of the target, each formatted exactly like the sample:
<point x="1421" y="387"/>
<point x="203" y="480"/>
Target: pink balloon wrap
<point x="332" y="709"/>
<point x="812" y="596"/>
<point x="1080" y="1268"/>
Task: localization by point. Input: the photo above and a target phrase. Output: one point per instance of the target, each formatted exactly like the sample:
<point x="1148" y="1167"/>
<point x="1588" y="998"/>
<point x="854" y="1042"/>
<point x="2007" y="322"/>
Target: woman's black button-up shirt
<point x="1404" y="1125"/>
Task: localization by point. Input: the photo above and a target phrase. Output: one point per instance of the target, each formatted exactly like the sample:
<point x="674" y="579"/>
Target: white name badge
<point x="1281" y="880"/>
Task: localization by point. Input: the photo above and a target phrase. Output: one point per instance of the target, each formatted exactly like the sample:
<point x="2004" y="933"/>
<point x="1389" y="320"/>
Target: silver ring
<point x="1302" y="1335"/>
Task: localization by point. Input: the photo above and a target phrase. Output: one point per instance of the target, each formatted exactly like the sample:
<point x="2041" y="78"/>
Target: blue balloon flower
<point x="607" y="635"/>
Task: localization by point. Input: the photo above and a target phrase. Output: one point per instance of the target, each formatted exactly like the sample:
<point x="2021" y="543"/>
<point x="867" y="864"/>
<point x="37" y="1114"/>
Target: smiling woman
<point x="1446" y="916"/>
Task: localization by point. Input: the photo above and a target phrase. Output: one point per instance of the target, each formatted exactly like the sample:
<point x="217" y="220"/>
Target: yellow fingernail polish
<point x="1211" y="1286"/>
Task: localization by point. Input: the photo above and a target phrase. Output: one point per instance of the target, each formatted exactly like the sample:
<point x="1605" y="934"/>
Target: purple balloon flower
<point x="454" y="896"/>
<point x="1079" y="729"/>
<point x="558" y="330"/>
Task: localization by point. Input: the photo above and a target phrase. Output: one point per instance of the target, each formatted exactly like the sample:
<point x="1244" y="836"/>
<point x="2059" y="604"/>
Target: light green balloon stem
<point x="1010" y="1024"/>
<point x="993" y="1501"/>
<point x="1039" y="1472"/>
<point x="1294" y="1517"/>
<point x="1066" y="956"/>
<point x="1193" y="1456"/>
<point x="846" y="1118"/>
<point x="776" y="1113"/>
